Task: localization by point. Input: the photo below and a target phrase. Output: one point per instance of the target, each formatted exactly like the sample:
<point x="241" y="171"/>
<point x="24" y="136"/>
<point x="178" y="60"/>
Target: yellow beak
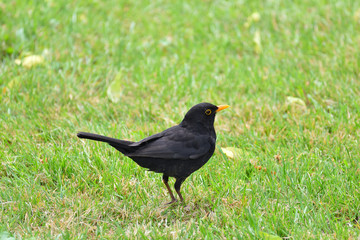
<point x="222" y="107"/>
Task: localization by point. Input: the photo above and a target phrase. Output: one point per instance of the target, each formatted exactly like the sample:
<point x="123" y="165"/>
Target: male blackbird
<point x="176" y="152"/>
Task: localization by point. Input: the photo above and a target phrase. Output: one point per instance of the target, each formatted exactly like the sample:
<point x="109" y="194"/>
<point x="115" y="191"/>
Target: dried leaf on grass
<point x="6" y="236"/>
<point x="357" y="16"/>
<point x="254" y="17"/>
<point x="114" y="91"/>
<point x="30" y="61"/>
<point x="267" y="236"/>
<point x="295" y="104"/>
<point x="257" y="42"/>
<point x="233" y="152"/>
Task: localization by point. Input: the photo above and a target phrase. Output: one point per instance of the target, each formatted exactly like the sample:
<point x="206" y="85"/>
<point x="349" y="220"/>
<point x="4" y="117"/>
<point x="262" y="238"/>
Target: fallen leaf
<point x="257" y="41"/>
<point x="17" y="61"/>
<point x="266" y="236"/>
<point x="357" y="15"/>
<point x="114" y="91"/>
<point x="233" y="152"/>
<point x="254" y="17"/>
<point x="83" y="18"/>
<point x="6" y="236"/>
<point x="294" y="100"/>
<point x="295" y="104"/>
<point x="32" y="61"/>
<point x="228" y="152"/>
<point x="278" y="158"/>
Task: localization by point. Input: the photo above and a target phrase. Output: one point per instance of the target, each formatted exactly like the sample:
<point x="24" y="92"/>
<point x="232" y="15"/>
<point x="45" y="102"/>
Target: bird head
<point x="202" y="113"/>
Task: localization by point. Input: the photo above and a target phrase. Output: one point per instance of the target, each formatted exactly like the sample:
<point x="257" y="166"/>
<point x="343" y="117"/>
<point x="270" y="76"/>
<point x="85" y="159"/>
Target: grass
<point x="298" y="175"/>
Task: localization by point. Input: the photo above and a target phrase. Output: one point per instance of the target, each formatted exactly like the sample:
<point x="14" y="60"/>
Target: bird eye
<point x="208" y="112"/>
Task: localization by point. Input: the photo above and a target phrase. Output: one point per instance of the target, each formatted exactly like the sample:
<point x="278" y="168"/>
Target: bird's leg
<point x="177" y="185"/>
<point x="166" y="180"/>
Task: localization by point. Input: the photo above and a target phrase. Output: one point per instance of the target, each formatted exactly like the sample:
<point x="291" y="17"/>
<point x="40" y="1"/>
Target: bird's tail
<point x="121" y="145"/>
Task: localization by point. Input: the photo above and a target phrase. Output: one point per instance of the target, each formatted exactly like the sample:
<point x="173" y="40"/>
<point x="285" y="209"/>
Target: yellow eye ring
<point x="208" y="112"/>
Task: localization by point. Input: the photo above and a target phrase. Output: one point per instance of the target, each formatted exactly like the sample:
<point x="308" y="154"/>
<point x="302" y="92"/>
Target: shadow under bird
<point x="176" y="152"/>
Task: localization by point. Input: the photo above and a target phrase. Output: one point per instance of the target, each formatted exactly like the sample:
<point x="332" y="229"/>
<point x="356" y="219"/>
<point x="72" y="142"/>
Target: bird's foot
<point x="172" y="201"/>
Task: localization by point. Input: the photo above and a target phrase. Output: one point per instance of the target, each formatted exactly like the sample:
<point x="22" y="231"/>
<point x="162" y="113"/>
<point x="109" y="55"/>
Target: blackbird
<point x="176" y="152"/>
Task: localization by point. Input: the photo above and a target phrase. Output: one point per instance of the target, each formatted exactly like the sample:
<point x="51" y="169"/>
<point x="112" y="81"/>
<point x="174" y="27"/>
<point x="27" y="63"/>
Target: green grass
<point x="168" y="56"/>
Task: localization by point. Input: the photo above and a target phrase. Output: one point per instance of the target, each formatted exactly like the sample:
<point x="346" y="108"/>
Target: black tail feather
<point x="121" y="145"/>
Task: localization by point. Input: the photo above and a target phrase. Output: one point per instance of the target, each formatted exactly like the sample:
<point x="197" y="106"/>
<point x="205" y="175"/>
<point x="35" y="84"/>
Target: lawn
<point x="290" y="70"/>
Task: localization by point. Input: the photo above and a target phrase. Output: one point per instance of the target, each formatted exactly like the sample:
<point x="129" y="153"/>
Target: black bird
<point x="176" y="152"/>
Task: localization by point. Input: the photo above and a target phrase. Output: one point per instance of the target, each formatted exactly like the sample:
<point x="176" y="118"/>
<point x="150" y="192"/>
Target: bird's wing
<point x="174" y="143"/>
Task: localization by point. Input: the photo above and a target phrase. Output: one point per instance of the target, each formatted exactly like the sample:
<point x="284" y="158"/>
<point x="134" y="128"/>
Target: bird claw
<point x="172" y="201"/>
